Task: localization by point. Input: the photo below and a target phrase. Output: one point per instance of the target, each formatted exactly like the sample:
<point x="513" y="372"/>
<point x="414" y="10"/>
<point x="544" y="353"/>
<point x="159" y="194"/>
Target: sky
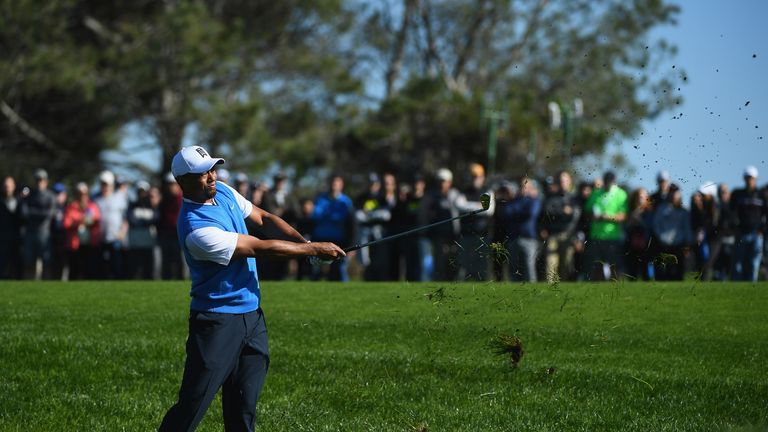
<point x="721" y="126"/>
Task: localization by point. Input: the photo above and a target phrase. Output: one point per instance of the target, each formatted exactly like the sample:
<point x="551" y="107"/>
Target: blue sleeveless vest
<point x="233" y="288"/>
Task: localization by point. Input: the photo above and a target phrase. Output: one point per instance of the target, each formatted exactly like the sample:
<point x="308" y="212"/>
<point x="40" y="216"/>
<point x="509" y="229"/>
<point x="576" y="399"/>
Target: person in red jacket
<point x="82" y="234"/>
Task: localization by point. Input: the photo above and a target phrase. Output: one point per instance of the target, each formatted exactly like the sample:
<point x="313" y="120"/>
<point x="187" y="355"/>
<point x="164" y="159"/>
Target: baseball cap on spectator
<point x="663" y="176"/>
<point x="444" y="174"/>
<point x="222" y="174"/>
<point x="41" y="174"/>
<point x="750" y="171"/>
<point x="59" y="187"/>
<point x="107" y="177"/>
<point x="142" y="185"/>
<point x="193" y="160"/>
<point x="241" y="178"/>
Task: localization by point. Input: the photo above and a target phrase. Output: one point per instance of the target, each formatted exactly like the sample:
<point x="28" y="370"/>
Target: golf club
<point x="485" y="202"/>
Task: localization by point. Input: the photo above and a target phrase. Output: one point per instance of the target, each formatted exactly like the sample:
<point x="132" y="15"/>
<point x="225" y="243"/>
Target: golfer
<point x="227" y="343"/>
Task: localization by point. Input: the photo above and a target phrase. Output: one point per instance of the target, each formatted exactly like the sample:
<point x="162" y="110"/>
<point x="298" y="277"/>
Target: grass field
<point x="401" y="357"/>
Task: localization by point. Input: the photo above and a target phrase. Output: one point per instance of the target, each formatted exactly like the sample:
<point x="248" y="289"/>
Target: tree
<point x="522" y="55"/>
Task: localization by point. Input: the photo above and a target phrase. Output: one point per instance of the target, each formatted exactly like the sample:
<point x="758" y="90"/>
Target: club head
<point x="485" y="201"/>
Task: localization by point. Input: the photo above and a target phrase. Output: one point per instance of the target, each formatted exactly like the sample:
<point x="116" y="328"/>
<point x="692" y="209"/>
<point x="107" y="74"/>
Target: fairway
<point x="108" y="356"/>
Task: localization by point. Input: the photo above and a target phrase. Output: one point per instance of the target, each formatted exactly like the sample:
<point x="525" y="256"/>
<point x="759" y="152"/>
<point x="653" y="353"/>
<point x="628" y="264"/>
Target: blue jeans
<point x="749" y="253"/>
<point x="522" y="259"/>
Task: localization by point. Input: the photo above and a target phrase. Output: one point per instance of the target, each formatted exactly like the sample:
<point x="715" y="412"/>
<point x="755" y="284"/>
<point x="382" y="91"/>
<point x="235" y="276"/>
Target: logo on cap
<point x="201" y="151"/>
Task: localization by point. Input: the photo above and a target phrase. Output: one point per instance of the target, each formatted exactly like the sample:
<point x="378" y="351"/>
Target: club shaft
<point x="405" y="233"/>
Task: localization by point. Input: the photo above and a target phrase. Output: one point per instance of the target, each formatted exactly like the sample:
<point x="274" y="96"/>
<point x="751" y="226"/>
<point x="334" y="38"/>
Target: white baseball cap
<point x="750" y="171"/>
<point x="107" y="177"/>
<point x="444" y="174"/>
<point x="193" y="160"/>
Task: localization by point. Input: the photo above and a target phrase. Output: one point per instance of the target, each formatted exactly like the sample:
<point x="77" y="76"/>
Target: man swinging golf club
<point x="227" y="343"/>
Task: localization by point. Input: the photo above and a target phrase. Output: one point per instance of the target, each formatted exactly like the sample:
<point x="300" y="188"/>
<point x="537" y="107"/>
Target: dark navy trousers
<point x="227" y="351"/>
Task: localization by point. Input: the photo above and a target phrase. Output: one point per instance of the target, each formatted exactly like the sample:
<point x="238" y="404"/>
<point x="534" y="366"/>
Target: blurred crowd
<point x="545" y="229"/>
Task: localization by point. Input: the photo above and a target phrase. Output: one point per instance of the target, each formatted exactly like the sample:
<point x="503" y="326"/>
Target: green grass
<point x="389" y="357"/>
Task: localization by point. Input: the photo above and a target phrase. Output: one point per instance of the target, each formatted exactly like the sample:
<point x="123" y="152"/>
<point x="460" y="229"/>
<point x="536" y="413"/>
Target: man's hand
<point x="326" y="251"/>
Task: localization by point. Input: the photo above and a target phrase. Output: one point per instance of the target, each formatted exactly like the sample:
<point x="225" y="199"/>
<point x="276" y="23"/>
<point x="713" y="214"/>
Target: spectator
<point x="608" y="209"/>
<point x="444" y="203"/>
<point x="305" y="225"/>
<point x="258" y="193"/>
<point x="82" y="235"/>
<point x="170" y="250"/>
<point x="582" y="230"/>
<point x="764" y="268"/>
<point x="639" y="227"/>
<point x="662" y="194"/>
<point x="58" y="264"/>
<point x="37" y="212"/>
<point x="405" y="216"/>
<point x="518" y="220"/>
<point x="279" y="202"/>
<point x="722" y="247"/>
<point x="474" y="230"/>
<point x="278" y="199"/>
<point x="222" y="175"/>
<point x="241" y="184"/>
<point x="750" y="210"/>
<point x="389" y="200"/>
<point x="672" y="229"/>
<point x="11" y="263"/>
<point x="372" y="213"/>
<point x="142" y="234"/>
<point x="333" y="218"/>
<point x="703" y="224"/>
<point x="559" y="218"/>
<point x="504" y="193"/>
<point x="264" y="265"/>
<point x="113" y="206"/>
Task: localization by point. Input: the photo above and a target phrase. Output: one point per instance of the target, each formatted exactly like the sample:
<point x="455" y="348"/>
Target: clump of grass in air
<point x="499" y="253"/>
<point x="436" y="296"/>
<point x="666" y="259"/>
<point x="510" y="346"/>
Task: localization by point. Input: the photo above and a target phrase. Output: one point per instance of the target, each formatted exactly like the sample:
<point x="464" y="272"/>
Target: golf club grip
<point x="405" y="233"/>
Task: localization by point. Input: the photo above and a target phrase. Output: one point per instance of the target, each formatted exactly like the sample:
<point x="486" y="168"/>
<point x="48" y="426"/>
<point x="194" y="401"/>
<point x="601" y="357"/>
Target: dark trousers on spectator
<point x="749" y="254"/>
<point x="408" y="253"/>
<point x="445" y="252"/>
<point x="84" y="262"/>
<point x="223" y="350"/>
<point x="170" y="250"/>
<point x="11" y="263"/>
<point x="604" y="259"/>
<point x="139" y="263"/>
<point x="474" y="256"/>
<point x="112" y="254"/>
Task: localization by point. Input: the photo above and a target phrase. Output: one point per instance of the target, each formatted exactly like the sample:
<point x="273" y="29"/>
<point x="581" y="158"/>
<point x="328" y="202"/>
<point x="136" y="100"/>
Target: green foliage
<point x="397" y="85"/>
<point x="635" y="357"/>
